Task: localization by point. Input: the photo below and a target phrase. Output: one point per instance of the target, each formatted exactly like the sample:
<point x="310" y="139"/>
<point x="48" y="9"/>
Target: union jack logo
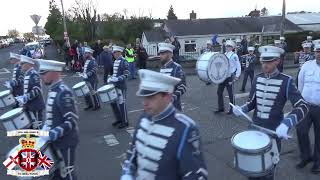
<point x="44" y="161"/>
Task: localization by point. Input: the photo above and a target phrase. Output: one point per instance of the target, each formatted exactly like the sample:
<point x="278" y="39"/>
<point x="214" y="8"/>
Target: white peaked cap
<point x="277" y="41"/>
<point x="117" y="49"/>
<point x="50" y="65"/>
<point x="251" y="48"/>
<point x="306" y="44"/>
<point x="26" y="59"/>
<point x="88" y="50"/>
<point x="269" y="53"/>
<point x="14" y="56"/>
<point x="309" y="37"/>
<point x="209" y="42"/>
<point x="317" y="47"/>
<point x="282" y="38"/>
<point x="163" y="47"/>
<point x="230" y="43"/>
<point x="152" y="82"/>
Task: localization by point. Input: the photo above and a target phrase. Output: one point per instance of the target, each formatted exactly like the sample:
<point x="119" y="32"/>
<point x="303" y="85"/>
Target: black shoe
<point x="303" y="163"/>
<point x="116" y="123"/>
<point x="315" y="169"/>
<point x="123" y="125"/>
<point x="218" y="111"/>
<point x="229" y="112"/>
<point x="87" y="108"/>
<point x="96" y="108"/>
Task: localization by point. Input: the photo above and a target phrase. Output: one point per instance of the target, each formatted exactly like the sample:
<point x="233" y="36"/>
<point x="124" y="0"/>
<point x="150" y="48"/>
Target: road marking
<point x="130" y="130"/>
<point x="4" y="71"/>
<point x="137" y="110"/>
<point x="241" y="95"/>
<point x="192" y="109"/>
<point x="111" y="140"/>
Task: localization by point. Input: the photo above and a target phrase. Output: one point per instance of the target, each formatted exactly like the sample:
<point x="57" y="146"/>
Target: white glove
<point x="7" y="84"/>
<point x="21" y="99"/>
<point x="237" y="110"/>
<point x="282" y="131"/>
<point x="85" y="76"/>
<point x="45" y="128"/>
<point x="114" y="79"/>
<point x="126" y="177"/>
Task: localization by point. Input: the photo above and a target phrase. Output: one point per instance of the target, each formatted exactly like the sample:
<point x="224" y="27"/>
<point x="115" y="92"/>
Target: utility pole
<point x="64" y="24"/>
<point x="283" y="19"/>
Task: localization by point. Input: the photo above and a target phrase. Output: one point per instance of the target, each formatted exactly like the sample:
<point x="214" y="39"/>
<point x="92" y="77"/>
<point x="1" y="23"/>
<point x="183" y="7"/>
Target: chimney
<point x="193" y="15"/>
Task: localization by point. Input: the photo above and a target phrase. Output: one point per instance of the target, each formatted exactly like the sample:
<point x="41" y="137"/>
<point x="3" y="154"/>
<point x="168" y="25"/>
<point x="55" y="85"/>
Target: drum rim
<point x="254" y="174"/>
<point x="8" y="117"/>
<point x="106" y="90"/>
<point x="265" y="149"/>
<point x="1" y="95"/>
<point x="83" y="82"/>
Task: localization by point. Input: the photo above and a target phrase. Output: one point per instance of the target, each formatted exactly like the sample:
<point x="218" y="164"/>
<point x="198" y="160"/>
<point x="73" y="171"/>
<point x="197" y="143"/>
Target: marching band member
<point x="304" y="56"/>
<point x="234" y="74"/>
<point x="309" y="86"/>
<point x="166" y="144"/>
<point x="269" y="93"/>
<point x="61" y="118"/>
<point x="209" y="47"/>
<point x="173" y="69"/>
<point x="16" y="83"/>
<point x="32" y="98"/>
<point x="118" y="79"/>
<point x="309" y="39"/>
<point x="250" y="62"/>
<point x="281" y="44"/>
<point x="90" y="76"/>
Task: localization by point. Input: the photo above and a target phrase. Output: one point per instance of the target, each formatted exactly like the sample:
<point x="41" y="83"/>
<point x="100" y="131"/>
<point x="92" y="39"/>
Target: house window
<point x="190" y="46"/>
<point x="269" y="39"/>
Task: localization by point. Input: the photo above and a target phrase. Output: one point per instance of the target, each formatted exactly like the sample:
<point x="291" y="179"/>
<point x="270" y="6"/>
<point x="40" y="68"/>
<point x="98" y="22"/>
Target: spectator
<point x="80" y="51"/>
<point x="244" y="44"/>
<point x="67" y="57"/>
<point x="176" y="50"/>
<point x="223" y="46"/>
<point x="97" y="51"/>
<point x="106" y="59"/>
<point x="142" y="56"/>
<point x="129" y="56"/>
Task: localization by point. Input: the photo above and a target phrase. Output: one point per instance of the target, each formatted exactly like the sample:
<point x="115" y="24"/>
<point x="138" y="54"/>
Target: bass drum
<point x="203" y="64"/>
<point x="218" y="68"/>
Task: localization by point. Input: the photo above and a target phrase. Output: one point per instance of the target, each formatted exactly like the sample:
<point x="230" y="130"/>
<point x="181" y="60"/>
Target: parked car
<point x="35" y="46"/>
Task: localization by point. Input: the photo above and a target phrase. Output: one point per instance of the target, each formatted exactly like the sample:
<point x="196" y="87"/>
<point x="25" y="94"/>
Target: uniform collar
<point x="55" y="84"/>
<point x="165" y="113"/>
<point x="275" y="73"/>
<point x="168" y="63"/>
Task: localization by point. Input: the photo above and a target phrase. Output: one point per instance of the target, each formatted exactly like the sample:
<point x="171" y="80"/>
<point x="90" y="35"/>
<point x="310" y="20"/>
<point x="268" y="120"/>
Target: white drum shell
<point x="16" y="121"/>
<point x="81" y="90"/>
<point x="107" y="94"/>
<point x="202" y="66"/>
<point x="6" y="99"/>
<point x="253" y="163"/>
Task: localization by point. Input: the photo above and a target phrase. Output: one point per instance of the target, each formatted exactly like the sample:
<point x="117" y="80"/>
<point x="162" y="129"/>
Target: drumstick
<point x="269" y="131"/>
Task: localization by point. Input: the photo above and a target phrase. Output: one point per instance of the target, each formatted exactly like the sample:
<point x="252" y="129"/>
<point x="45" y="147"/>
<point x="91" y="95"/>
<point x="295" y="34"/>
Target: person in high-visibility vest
<point x="130" y="57"/>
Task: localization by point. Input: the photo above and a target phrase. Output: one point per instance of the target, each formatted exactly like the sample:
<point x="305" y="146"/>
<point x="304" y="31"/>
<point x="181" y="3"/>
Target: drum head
<point x="218" y="68"/>
<point x="3" y="93"/>
<point x="11" y="113"/>
<point x="106" y="87"/>
<point x="251" y="140"/>
<point x="79" y="85"/>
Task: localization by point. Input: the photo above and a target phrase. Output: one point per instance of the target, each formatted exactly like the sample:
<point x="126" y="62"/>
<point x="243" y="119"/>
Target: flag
<point x="44" y="161"/>
<point x="11" y="161"/>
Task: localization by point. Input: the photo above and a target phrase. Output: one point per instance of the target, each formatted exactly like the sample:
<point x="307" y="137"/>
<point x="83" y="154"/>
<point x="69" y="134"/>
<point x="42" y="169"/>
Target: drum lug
<point x="275" y="152"/>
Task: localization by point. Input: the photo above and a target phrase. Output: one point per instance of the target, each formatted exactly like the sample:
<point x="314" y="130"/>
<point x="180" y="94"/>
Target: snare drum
<point x="46" y="149"/>
<point x="81" y="89"/>
<point x="6" y="99"/>
<point x="203" y="64"/>
<point x="108" y="93"/>
<point x="253" y="153"/>
<point x="15" y="119"/>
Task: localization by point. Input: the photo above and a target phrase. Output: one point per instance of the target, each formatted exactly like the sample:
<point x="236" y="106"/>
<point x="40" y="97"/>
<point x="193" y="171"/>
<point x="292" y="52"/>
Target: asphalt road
<point x="102" y="147"/>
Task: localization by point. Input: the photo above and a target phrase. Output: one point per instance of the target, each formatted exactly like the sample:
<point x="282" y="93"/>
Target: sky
<point x="15" y="14"/>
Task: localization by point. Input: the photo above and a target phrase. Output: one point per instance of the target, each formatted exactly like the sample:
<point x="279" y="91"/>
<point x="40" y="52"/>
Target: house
<point x="193" y="33"/>
<point x="306" y="21"/>
<point x="150" y="40"/>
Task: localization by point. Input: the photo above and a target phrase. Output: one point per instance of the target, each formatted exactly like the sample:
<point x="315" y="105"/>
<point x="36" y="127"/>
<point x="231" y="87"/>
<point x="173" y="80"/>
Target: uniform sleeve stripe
<point x="182" y="142"/>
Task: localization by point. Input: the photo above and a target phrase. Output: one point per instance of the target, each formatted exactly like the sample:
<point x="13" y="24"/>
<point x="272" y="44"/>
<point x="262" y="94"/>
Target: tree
<point x="171" y="15"/>
<point x="13" y="33"/>
<point x="29" y="36"/>
<point x="54" y="26"/>
<point x="264" y="12"/>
